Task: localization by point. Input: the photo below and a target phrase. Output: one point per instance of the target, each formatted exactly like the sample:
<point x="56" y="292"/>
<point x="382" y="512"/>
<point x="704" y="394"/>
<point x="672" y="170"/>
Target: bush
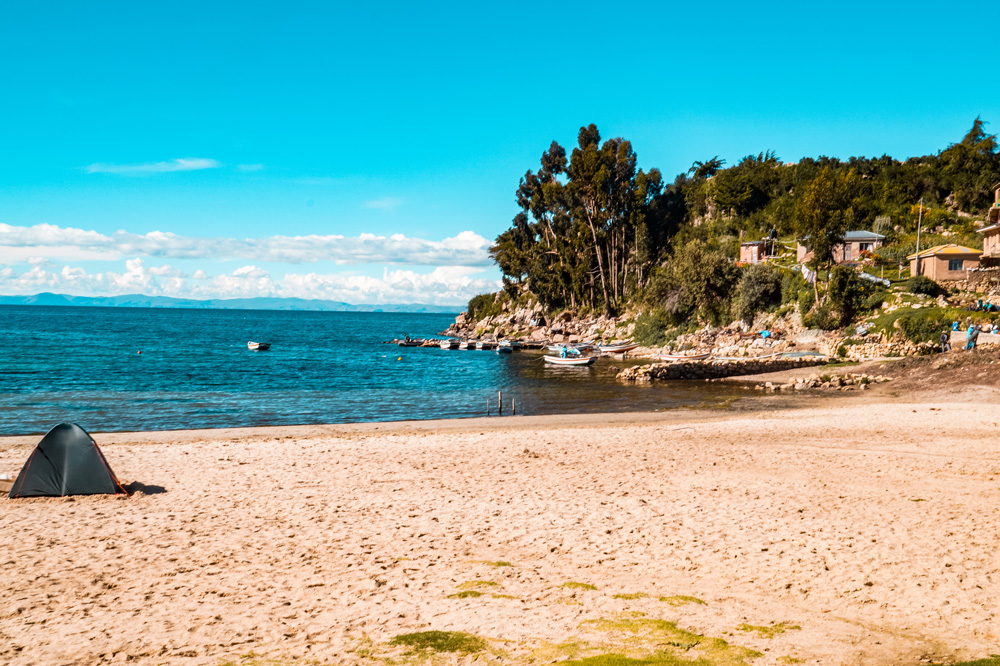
<point x="924" y="326"/>
<point x="848" y="293"/>
<point x="876" y="300"/>
<point x="792" y="286"/>
<point x="824" y="318"/>
<point x="921" y="284"/>
<point x="806" y="300"/>
<point x="759" y="289"/>
<point x="650" y="328"/>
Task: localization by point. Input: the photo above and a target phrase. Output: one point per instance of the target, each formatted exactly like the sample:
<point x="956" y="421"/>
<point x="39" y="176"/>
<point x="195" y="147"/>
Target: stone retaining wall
<point x="714" y="369"/>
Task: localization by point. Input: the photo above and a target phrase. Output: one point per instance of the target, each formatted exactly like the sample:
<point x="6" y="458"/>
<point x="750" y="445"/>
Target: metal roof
<point x="862" y="236"/>
<point x="945" y="250"/>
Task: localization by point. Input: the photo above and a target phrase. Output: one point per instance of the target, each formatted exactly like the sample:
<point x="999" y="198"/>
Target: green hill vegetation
<point x="597" y="234"/>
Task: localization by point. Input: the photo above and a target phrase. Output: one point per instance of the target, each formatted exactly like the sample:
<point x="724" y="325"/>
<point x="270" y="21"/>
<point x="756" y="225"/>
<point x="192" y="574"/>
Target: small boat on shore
<point x="465" y="344"/>
<point x="508" y="346"/>
<point x="674" y="358"/>
<point x="258" y="346"/>
<point x="570" y="360"/>
<point x="618" y="348"/>
<point x="448" y="344"/>
<point x="485" y="344"/>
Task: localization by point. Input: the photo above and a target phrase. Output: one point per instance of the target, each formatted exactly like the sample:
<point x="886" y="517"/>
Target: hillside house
<point x="850" y="249"/>
<point x="991" y="232"/>
<point x="945" y="262"/>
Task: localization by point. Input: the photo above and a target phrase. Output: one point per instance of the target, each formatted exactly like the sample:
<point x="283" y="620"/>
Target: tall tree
<point x="824" y="213"/>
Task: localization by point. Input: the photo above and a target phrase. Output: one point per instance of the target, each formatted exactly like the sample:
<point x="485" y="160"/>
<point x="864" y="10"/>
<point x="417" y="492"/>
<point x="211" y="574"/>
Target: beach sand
<point x="860" y="530"/>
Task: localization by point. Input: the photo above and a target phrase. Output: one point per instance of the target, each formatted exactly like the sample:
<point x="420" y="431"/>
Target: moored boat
<point x="570" y="360"/>
<point x="448" y="344"/>
<point x="618" y="347"/>
<point x="485" y="344"/>
<point x="258" y="346"/>
<point x="464" y="344"/>
<point x="409" y="343"/>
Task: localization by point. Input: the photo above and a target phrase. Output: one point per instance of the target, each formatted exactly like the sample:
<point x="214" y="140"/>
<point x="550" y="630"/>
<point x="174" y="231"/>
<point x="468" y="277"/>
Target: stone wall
<point x="714" y="369"/>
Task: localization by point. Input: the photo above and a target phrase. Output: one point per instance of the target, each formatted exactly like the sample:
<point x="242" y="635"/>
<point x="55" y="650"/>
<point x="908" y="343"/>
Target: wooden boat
<point x="673" y="358"/>
<point x="448" y="344"/>
<point x="258" y="346"/>
<point x="618" y="348"/>
<point x="570" y="360"/>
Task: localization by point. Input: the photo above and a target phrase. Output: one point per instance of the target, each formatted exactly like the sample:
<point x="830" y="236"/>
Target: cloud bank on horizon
<point x="48" y="257"/>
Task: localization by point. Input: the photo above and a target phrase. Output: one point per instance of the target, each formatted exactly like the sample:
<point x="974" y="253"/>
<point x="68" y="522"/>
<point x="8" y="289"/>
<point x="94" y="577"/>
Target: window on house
<point x="866" y="247"/>
<point x="955" y="264"/>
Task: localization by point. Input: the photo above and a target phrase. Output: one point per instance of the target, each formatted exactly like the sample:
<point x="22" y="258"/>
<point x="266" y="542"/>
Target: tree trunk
<point x="600" y="266"/>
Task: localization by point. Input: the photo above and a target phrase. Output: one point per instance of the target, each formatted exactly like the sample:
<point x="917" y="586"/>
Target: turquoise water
<point x="195" y="371"/>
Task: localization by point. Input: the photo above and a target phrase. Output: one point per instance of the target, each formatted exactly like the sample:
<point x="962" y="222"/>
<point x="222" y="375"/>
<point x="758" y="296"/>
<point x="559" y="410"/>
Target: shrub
<point x="921" y="284"/>
<point x="848" y="293"/>
<point x="792" y="287"/>
<point x="441" y="641"/>
<point x="876" y="300"/>
<point x="806" y="300"/>
<point x="924" y="326"/>
<point x="650" y="328"/>
<point x="824" y="318"/>
<point x="759" y="289"/>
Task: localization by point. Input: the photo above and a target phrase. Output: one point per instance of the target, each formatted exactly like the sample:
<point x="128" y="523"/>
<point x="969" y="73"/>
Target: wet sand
<point x="864" y="527"/>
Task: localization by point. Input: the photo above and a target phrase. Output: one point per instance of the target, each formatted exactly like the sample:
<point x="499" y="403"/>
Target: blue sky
<point x="370" y="154"/>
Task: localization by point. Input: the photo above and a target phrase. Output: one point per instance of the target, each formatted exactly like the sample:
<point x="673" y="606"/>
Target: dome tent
<point x="66" y="462"/>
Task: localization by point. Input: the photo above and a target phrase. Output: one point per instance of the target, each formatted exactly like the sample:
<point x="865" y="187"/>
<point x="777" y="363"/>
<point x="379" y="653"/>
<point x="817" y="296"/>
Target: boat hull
<point x="258" y="346"/>
<point x="674" y="358"/>
<point x="558" y="360"/>
<point x="617" y="349"/>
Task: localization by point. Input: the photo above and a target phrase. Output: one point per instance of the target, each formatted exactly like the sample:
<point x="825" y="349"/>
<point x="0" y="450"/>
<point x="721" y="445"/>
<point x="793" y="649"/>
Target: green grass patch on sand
<point x="648" y="642"/>
<point x="992" y="660"/>
<point x="477" y="584"/>
<point x="573" y="585"/>
<point x="441" y="641"/>
<point x="495" y="563"/>
<point x="681" y="599"/>
<point x="770" y="631"/>
<point x="631" y="595"/>
<point x="465" y="594"/>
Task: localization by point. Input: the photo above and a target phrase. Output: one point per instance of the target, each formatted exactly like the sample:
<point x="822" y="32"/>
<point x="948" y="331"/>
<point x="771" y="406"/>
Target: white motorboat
<point x="448" y="344"/>
<point x="258" y="346"/>
<point x="409" y="343"/>
<point x="618" y="347"/>
<point x="485" y="344"/>
<point x="570" y="360"/>
<point x="465" y="344"/>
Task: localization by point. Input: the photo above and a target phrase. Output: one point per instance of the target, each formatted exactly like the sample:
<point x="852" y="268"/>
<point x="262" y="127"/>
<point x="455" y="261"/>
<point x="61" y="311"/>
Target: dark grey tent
<point x="66" y="462"/>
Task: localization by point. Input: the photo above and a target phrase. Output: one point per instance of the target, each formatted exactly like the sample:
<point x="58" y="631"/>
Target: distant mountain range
<point x="142" y="301"/>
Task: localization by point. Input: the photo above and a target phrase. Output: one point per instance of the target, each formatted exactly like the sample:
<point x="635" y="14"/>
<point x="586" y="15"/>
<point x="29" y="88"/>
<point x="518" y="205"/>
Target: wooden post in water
<point x="499" y="403"/>
<point x="487" y="406"/>
<point x="513" y="410"/>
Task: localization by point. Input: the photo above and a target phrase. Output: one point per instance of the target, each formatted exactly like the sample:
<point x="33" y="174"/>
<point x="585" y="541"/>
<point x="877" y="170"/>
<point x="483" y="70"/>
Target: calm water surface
<point x="195" y="371"/>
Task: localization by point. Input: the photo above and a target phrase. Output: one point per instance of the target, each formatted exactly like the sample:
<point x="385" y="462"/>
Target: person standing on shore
<point x="945" y="341"/>
<point x="972" y="336"/>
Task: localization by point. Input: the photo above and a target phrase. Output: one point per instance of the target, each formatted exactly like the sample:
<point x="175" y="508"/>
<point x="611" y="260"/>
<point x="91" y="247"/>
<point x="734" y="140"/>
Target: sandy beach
<point x="856" y="530"/>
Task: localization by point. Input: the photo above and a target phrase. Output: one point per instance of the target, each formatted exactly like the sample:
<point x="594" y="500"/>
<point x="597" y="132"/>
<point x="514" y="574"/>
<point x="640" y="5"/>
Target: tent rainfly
<point x="66" y="462"/>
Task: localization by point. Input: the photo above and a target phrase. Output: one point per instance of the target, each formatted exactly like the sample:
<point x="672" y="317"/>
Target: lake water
<point x="195" y="371"/>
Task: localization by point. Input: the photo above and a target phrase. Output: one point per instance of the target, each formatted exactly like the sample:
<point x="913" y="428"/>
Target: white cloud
<point x="442" y="285"/>
<point x="388" y="203"/>
<point x="182" y="164"/>
<point x="52" y="242"/>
